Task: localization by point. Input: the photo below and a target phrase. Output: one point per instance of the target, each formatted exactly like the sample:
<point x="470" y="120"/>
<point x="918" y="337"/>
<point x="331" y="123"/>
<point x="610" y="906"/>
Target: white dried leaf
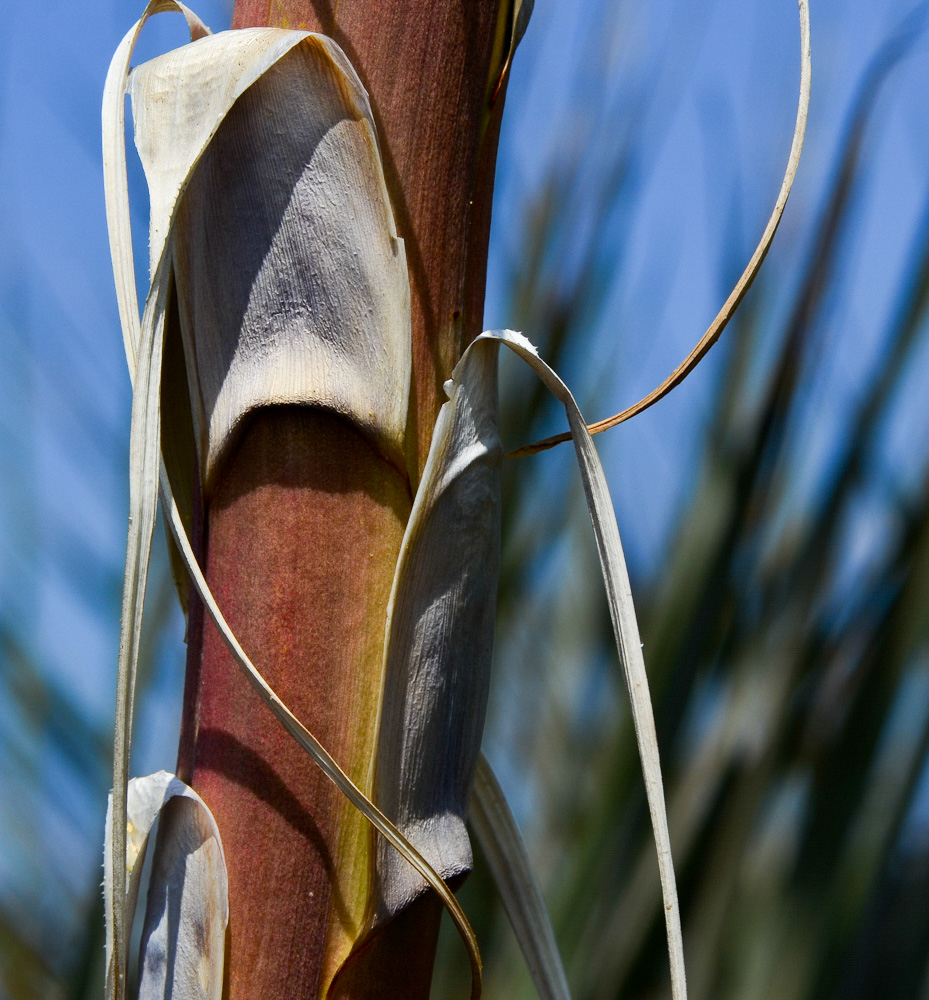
<point x="266" y="179"/>
<point x="189" y="867"/>
<point x="439" y="640"/>
<point x="143" y="343"/>
<point x="183" y="937"/>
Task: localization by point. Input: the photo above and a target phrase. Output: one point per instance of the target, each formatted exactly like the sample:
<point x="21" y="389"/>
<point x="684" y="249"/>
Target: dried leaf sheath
<point x="440" y="636"/>
<point x="291" y="279"/>
<point x="183" y="948"/>
<point x="183" y="937"/>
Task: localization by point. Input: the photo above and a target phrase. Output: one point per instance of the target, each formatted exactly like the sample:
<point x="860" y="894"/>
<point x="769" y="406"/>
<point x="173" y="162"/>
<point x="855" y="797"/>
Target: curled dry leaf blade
<point x="626" y="633"/>
<point x="729" y="307"/>
<point x="142" y="352"/>
<point x="115" y="178"/>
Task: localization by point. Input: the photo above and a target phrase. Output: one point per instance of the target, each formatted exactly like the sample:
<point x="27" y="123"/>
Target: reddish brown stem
<point x="306" y="519"/>
<point x="304" y="529"/>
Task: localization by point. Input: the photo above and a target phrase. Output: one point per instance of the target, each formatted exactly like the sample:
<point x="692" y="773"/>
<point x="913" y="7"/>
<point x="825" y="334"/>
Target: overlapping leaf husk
<point x="185" y="926"/>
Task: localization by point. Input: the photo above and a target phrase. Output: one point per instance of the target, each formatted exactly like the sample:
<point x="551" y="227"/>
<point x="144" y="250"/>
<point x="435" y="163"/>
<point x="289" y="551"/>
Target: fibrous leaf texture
<point x="290" y="288"/>
<point x="188" y="906"/>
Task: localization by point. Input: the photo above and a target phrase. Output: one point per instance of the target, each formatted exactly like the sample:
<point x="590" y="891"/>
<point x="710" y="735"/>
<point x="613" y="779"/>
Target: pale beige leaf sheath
<point x="440" y="627"/>
<point x="183" y="937"/>
<point x="189" y="871"/>
<point x="291" y="281"/>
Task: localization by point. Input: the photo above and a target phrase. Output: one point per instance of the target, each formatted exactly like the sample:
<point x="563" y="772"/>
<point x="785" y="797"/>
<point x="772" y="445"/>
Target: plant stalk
<point x="301" y="531"/>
